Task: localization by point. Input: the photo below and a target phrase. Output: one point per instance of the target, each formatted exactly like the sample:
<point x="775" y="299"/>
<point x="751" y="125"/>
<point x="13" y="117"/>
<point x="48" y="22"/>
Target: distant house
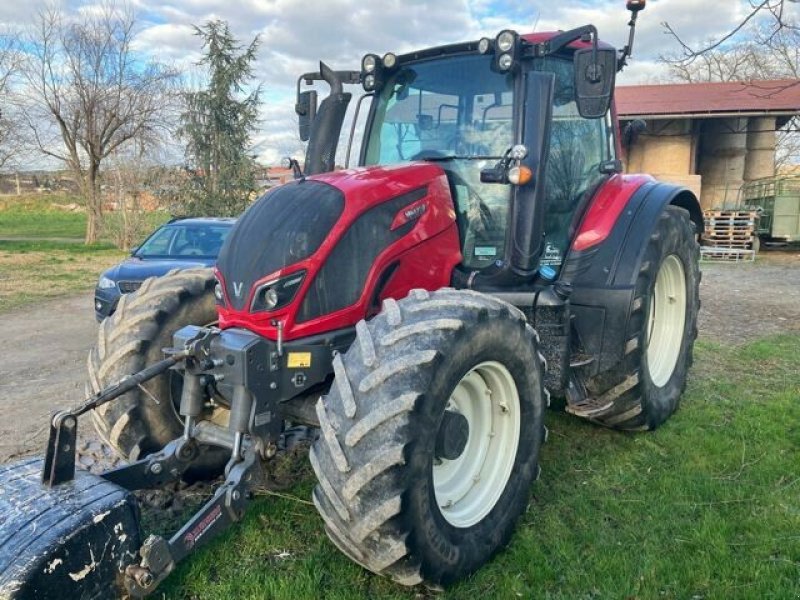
<point x="711" y="137"/>
<point x="267" y="177"/>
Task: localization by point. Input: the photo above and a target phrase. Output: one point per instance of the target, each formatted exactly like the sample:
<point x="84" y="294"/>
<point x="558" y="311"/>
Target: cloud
<point x="296" y="35"/>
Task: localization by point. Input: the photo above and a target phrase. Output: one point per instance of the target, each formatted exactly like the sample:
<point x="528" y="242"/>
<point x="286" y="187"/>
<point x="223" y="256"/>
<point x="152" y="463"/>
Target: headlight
<point x="369" y="82"/>
<point x="219" y="296"/>
<point x="277" y="293"/>
<point x="270" y="298"/>
<point x="505" y="41"/>
<point x="106" y="284"/>
<point x="484" y="45"/>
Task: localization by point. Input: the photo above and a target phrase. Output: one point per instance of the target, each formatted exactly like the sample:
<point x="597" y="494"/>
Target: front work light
<point x="390" y="60"/>
<point x="505" y="62"/>
<point x="371" y="72"/>
<point x="506" y="40"/>
<point x="369" y="63"/>
<point x="506" y="51"/>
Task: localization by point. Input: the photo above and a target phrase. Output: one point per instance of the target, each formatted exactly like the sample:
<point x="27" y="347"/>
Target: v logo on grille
<point x="237" y="288"/>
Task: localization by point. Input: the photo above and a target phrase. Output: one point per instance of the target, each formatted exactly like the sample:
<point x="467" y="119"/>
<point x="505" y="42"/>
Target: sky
<point x="296" y="34"/>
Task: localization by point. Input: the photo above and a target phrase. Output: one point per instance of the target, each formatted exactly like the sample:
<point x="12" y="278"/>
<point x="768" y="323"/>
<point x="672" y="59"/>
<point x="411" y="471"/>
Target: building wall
<point x="712" y="157"/>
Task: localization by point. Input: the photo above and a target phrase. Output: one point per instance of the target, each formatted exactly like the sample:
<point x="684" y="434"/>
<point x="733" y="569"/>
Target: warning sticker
<point x="299" y="360"/>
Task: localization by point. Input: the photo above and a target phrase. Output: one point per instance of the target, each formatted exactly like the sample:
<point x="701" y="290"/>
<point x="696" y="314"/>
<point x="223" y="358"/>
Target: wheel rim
<point x="666" y="320"/>
<point x="468" y="487"/>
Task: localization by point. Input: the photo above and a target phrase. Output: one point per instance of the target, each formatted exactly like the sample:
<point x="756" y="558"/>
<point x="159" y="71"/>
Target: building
<point x="711" y="137"/>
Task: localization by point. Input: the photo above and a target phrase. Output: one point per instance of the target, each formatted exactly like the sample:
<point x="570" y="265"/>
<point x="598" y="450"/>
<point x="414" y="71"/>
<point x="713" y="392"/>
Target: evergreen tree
<point x="217" y="126"/>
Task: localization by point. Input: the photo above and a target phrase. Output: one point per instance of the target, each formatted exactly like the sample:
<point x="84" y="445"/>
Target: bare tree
<point x="133" y="177"/>
<point x="772" y="14"/>
<point x="9" y="133"/>
<point x="90" y="95"/>
<point x="768" y="48"/>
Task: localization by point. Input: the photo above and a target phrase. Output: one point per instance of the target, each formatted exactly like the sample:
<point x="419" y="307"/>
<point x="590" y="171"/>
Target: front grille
<point x="126" y="287"/>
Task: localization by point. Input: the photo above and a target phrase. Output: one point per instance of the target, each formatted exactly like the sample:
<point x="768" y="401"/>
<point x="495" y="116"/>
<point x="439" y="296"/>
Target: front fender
<point x="603" y="275"/>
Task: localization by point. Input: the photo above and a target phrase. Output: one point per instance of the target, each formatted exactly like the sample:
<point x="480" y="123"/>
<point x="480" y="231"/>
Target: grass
<point x="37" y="217"/>
<point x="708" y="506"/>
<point x="33" y="271"/>
<point x="42" y="254"/>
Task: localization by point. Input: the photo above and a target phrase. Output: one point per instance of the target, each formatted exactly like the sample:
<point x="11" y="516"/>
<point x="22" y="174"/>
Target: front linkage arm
<point x="59" y="461"/>
<point x="59" y="458"/>
<point x="227" y="506"/>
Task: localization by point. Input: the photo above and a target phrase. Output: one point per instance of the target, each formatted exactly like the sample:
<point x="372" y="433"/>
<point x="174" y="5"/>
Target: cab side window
<point x="578" y="148"/>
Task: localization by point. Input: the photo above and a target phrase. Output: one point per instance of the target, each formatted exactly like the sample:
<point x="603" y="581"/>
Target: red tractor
<point x="417" y="311"/>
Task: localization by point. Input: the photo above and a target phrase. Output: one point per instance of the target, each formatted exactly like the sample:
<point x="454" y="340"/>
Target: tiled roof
<point x="707" y="99"/>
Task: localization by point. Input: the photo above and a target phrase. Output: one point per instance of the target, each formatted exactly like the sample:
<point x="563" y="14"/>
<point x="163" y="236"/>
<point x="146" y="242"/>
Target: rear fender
<point x="603" y="274"/>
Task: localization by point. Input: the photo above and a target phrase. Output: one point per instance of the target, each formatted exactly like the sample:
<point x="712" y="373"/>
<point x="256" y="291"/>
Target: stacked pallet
<point x="729" y="235"/>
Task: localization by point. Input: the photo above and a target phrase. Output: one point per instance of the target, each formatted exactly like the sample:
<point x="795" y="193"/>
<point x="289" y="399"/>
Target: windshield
<point x="185" y="240"/>
<point x="456" y="111"/>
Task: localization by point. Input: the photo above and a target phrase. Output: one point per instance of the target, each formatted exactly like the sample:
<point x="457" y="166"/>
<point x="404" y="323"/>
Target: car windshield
<point x="184" y="240"/>
<point x="458" y="112"/>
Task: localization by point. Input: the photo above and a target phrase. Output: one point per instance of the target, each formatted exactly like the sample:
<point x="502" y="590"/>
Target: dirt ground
<point x="44" y="347"/>
<point x="745" y="301"/>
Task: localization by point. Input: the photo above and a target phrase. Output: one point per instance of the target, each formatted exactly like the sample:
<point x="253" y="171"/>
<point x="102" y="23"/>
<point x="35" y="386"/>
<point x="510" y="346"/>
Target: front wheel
<point x="644" y="389"/>
<point x="146" y="418"/>
<point x="430" y="436"/>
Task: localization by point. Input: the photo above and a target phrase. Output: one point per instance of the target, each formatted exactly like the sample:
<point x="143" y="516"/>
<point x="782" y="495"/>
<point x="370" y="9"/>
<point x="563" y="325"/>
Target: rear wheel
<point x="645" y="388"/>
<point x="146" y="418"/>
<point x="430" y="436"/>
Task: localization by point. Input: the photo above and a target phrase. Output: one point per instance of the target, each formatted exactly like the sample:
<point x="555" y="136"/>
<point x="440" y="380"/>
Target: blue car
<point x="179" y="244"/>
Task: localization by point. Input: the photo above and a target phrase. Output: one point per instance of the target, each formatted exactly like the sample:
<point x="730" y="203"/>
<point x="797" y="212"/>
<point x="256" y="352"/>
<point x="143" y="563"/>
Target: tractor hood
<point x="314" y="249"/>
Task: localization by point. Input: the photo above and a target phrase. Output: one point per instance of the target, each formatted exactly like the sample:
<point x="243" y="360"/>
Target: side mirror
<point x="306" y="109"/>
<point x="595" y="72"/>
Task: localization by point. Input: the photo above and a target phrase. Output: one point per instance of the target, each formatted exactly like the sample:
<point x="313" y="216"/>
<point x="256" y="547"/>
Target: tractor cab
<point x="521" y="125"/>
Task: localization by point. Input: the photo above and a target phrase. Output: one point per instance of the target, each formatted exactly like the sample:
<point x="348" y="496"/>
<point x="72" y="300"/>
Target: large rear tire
<point x="146" y="419"/>
<point x="644" y="390"/>
<point x="430" y="436"/>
